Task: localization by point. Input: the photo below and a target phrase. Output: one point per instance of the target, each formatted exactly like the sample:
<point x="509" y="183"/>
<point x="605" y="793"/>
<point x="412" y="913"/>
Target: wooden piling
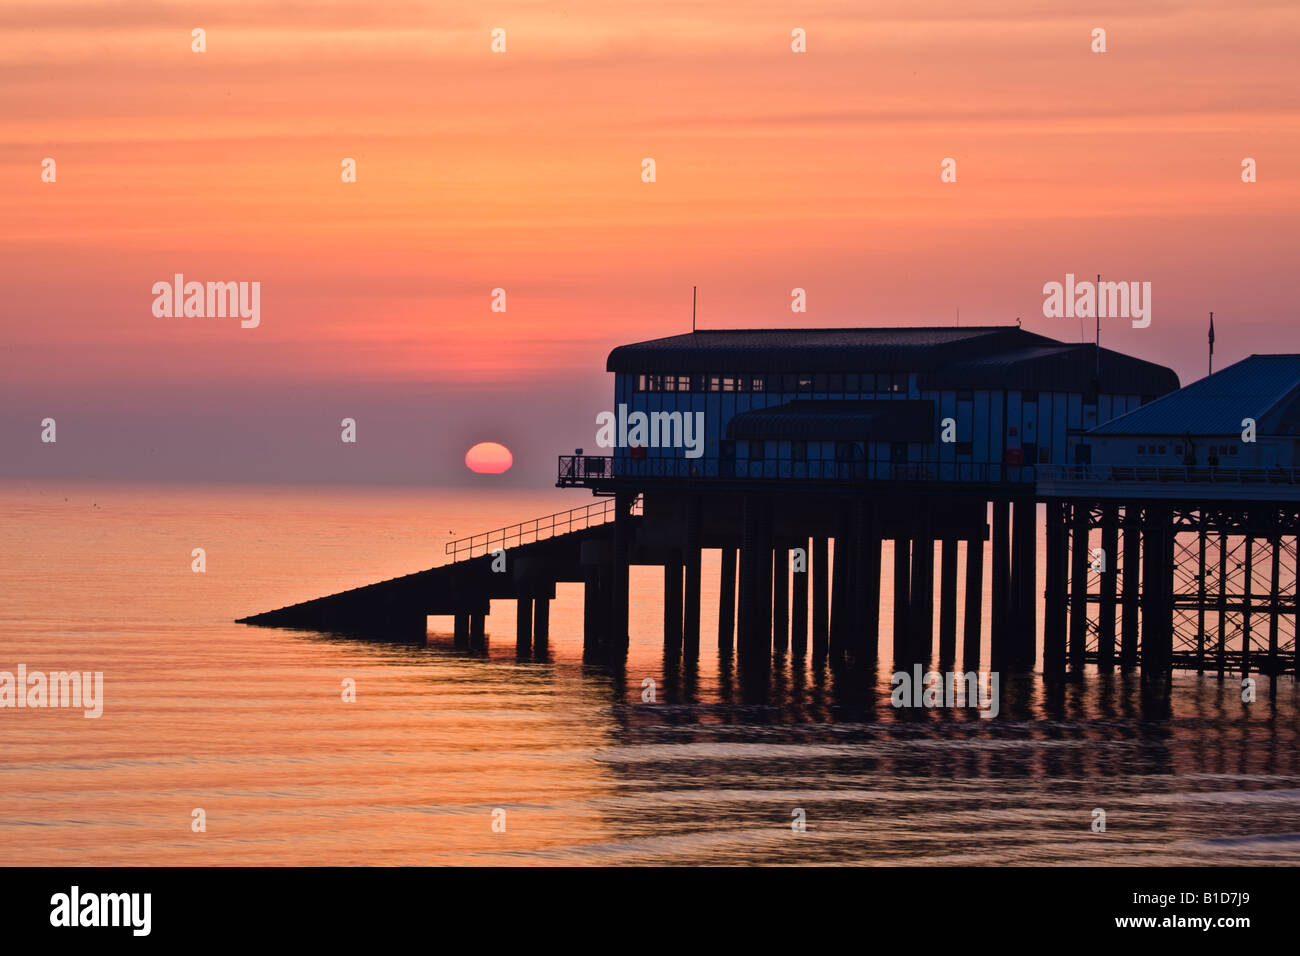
<point x="691" y="591"/>
<point x="1131" y="594"/>
<point x="947" y="602"/>
<point x="673" y="604"/>
<point x="1079" y="564"/>
<point x="1056" y="573"/>
<point x="1024" y="582"/>
<point x="970" y="654"/>
<point x="780" y="599"/>
<point x="1109" y="578"/>
<point x="727" y="602"/>
<point x="821" y="611"/>
<point x="799" y="604"/>
<point x="1001" y="604"/>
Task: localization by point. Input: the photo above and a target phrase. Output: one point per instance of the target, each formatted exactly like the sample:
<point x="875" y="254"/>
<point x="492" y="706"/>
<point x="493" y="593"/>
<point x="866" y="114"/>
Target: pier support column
<point x="1274" y="595"/>
<point x="541" y="621"/>
<point x="947" y="603"/>
<point x="1106" y="609"/>
<point x="618" y="630"/>
<point x="673" y="604"/>
<point x="727" y="602"/>
<point x="1222" y="604"/>
<point x="523" y="624"/>
<point x="755" y="605"/>
<point x="1001" y="601"/>
<point x="842" y="599"/>
<point x="821" y="612"/>
<point x="1057" y="561"/>
<point x="1131" y="594"/>
<point x="1157" y="590"/>
<point x="799" y="604"/>
<point x="1247" y="573"/>
<point x="691" y="595"/>
<point x="780" y="599"/>
<point x="866" y="588"/>
<point x="1024" y="582"/>
<point x="1079" y="564"/>
<point x="903" y="652"/>
<point x="1201" y="541"/>
<point x="461" y="633"/>
<point x="591" y="607"/>
<point x="974" y="614"/>
<point x="478" y="631"/>
<point x="921" y="611"/>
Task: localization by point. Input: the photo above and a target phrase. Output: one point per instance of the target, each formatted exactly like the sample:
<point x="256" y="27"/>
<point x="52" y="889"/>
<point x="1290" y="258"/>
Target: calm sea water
<point x="249" y="725"/>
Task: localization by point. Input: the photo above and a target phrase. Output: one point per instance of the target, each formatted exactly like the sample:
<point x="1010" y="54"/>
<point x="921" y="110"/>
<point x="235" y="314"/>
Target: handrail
<point x="547" y="526"/>
<point x="579" y="470"/>
<point x="1152" y="473"/>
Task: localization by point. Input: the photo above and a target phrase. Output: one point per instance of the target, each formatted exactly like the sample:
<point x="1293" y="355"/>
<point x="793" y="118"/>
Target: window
<point x="1142" y="449"/>
<point x="1233" y="451"/>
<point x="730" y="383"/>
<point x="715" y="383"/>
<point x="805" y="382"/>
<point x="820" y="382"/>
<point x="835" y="382"/>
<point x="698" y="382"/>
<point x="1162" y="449"/>
<point x="965" y="448"/>
<point x="789" y="383"/>
<point x="757" y="383"/>
<point x="799" y="450"/>
<point x="853" y="382"/>
<point x="756" y="450"/>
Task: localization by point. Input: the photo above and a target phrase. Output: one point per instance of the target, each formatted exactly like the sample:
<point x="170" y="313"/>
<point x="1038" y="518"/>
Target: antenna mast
<point x="693" y="308"/>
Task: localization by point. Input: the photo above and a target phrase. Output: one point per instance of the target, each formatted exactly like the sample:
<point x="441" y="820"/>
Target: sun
<point x="489" y="458"/>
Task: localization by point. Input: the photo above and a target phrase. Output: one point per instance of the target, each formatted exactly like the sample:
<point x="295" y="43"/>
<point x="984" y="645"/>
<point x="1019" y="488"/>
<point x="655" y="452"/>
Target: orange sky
<point x="522" y="171"/>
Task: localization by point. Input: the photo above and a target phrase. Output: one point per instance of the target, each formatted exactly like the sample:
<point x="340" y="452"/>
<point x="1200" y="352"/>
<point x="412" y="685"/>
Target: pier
<point x="940" y="442"/>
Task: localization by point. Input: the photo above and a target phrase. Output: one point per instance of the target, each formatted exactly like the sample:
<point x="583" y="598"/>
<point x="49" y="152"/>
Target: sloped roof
<point x="1056" y="367"/>
<point x="1262" y="387"/>
<point x="951" y="357"/>
<point x="815" y="350"/>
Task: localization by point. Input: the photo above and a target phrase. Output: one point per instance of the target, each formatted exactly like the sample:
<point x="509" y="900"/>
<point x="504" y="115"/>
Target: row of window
<point x="787" y="382"/>
<point x="1178" y="449"/>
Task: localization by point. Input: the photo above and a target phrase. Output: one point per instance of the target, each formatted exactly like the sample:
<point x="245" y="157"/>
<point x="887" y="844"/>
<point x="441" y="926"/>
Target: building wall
<point x="989" y="423"/>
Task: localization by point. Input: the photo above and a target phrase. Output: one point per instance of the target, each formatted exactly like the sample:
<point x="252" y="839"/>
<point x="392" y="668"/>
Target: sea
<point x="227" y="744"/>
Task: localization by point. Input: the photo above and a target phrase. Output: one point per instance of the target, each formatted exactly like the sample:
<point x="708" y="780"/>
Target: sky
<point x="522" y="170"/>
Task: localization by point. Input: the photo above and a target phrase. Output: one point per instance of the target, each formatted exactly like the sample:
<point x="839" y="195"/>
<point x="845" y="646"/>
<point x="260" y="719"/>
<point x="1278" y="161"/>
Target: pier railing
<point x="1149" y="474"/>
<point x="586" y="469"/>
<point x="538" y="529"/>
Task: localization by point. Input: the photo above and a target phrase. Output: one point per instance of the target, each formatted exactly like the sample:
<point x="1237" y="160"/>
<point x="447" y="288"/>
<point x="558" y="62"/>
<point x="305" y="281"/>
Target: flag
<point x="1211" y="333"/>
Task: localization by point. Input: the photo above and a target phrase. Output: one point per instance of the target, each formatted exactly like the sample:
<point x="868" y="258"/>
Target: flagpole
<point x="1211" y="367"/>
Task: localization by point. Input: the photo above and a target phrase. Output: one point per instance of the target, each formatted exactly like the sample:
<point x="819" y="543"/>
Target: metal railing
<point x="581" y="469"/>
<point x="525" y="532"/>
<point x="1147" y="473"/>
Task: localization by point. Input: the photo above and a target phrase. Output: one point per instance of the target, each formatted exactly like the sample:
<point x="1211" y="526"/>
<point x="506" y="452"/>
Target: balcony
<point x="596" y="471"/>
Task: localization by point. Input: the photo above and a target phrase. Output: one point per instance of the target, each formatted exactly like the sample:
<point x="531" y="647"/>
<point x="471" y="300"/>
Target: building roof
<point x="819" y="420"/>
<point x="998" y="356"/>
<point x="1263" y="387"/>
